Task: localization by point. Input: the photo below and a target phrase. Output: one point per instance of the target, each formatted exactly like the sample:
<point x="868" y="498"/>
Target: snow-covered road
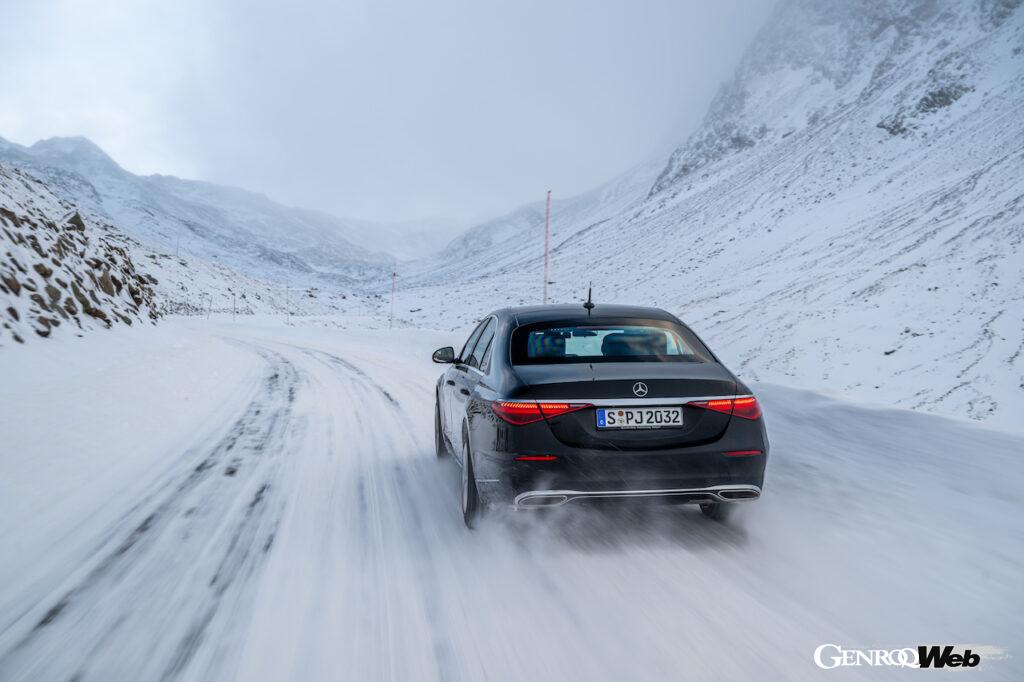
<point x="216" y="501"/>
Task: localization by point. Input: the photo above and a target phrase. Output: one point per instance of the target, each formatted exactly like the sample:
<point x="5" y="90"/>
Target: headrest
<point x="631" y="344"/>
<point x="547" y="345"/>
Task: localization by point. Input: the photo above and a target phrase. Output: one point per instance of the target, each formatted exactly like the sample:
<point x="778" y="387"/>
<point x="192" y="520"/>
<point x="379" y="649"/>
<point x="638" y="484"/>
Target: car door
<point x="452" y="381"/>
<point x="467" y="376"/>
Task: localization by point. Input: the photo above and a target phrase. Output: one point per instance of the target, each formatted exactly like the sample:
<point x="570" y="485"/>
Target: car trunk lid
<point x="616" y="385"/>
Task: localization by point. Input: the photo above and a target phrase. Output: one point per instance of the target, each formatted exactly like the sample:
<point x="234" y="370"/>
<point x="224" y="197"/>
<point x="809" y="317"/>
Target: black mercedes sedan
<point x="559" y="404"/>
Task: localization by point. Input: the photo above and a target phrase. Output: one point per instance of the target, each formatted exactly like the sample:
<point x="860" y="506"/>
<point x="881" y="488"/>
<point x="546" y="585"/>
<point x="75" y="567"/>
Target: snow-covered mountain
<point x="819" y="64"/>
<point x="239" y="229"/>
<point x="65" y="268"/>
<point x="513" y="241"/>
<point x="849" y="214"/>
<point x="408" y="240"/>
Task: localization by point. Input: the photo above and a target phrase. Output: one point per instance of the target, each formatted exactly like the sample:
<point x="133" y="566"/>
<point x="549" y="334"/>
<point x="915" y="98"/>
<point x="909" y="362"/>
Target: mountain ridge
<point x="345" y="251"/>
<point x="829" y="247"/>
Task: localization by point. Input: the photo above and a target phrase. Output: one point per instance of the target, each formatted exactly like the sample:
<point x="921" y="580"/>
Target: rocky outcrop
<point x="822" y="63"/>
<point x="59" y="270"/>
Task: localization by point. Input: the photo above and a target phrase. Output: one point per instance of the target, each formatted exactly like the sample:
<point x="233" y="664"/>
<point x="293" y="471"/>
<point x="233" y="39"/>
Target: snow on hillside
<point x="190" y="286"/>
<point x="56" y="270"/>
<point x="818" y="62"/>
<point x="408" y="240"/>
<point x="63" y="264"/>
<point x="849" y="215"/>
<point x="244" y="231"/>
<point x="512" y="242"/>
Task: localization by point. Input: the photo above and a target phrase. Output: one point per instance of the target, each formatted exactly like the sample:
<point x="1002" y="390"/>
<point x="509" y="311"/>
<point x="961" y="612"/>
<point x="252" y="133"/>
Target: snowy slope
<point x="59" y="270"/>
<point x="67" y="270"/>
<point x="242" y="230"/>
<point x="408" y="240"/>
<point x="257" y="502"/>
<point x="511" y="242"/>
<point x="850" y="215"/>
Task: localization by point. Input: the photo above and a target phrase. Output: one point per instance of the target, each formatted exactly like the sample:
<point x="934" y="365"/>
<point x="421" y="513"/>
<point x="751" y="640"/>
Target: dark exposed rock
<point x="106" y="283"/>
<point x="11" y="283"/>
<point x="40" y="301"/>
<point x="75" y="222"/>
<point x="893" y="125"/>
<point x="942" y="97"/>
<point x="135" y="294"/>
<point x="99" y="315"/>
<point x="9" y="216"/>
<point x="33" y="242"/>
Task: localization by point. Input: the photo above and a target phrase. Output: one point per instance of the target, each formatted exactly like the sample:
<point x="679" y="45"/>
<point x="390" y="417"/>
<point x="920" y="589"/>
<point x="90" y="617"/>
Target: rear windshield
<point x="606" y="341"/>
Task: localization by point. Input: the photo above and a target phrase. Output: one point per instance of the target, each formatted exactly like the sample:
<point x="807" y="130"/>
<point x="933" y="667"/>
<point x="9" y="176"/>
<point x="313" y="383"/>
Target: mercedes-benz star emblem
<point x="640" y="389"/>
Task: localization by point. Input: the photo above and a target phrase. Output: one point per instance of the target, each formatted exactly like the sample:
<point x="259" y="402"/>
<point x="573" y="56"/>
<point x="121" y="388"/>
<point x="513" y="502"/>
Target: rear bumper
<point x="700" y="474"/>
<point x="537" y="499"/>
<point x="594" y="473"/>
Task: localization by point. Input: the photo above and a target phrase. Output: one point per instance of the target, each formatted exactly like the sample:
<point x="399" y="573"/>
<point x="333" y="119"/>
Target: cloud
<point x="390" y="109"/>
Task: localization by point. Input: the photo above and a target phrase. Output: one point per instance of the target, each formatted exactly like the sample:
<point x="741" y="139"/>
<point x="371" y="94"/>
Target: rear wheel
<point x="440" y="446"/>
<point x="470" y="495"/>
<point x="719" y="511"/>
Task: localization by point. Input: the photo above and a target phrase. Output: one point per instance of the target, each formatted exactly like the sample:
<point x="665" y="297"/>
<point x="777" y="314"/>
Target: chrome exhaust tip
<point x="535" y="499"/>
<point x="740" y="494"/>
<point x="543" y="500"/>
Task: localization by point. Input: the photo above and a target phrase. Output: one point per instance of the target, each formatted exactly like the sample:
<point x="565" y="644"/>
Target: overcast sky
<point x="380" y="109"/>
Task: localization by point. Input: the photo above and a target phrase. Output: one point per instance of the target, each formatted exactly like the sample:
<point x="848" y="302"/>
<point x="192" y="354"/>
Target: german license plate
<point x="639" y="417"/>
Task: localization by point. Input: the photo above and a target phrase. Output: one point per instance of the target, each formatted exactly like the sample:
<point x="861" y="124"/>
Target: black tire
<point x="470" y="494"/>
<point x="440" y="444"/>
<point x="719" y="511"/>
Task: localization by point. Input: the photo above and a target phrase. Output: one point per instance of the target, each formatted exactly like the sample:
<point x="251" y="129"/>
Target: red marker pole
<point x="547" y="241"/>
<point x="391" y="315"/>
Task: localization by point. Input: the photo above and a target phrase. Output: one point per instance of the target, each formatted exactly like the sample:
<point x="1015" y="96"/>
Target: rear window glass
<point x="603" y="341"/>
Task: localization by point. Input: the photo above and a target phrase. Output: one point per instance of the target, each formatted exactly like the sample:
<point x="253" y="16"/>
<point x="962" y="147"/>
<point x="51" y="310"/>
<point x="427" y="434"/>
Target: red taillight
<point x="723" y="405"/>
<point x="742" y="453"/>
<point x="523" y="412"/>
<point x="558" y="409"/>
<point x="747" y="407"/>
<point x="517" y="413"/>
<point x="536" y="458"/>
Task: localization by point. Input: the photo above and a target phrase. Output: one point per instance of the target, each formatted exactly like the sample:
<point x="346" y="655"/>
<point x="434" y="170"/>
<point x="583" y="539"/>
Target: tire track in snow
<point x="380" y="497"/>
<point x="339" y="363"/>
<point x="182" y="556"/>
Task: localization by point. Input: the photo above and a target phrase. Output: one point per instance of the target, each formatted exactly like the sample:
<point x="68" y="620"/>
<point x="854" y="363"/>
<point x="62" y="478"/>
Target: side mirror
<point x="444" y="355"/>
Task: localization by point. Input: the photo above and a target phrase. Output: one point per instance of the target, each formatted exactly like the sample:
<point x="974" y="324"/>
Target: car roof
<point x="576" y="312"/>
